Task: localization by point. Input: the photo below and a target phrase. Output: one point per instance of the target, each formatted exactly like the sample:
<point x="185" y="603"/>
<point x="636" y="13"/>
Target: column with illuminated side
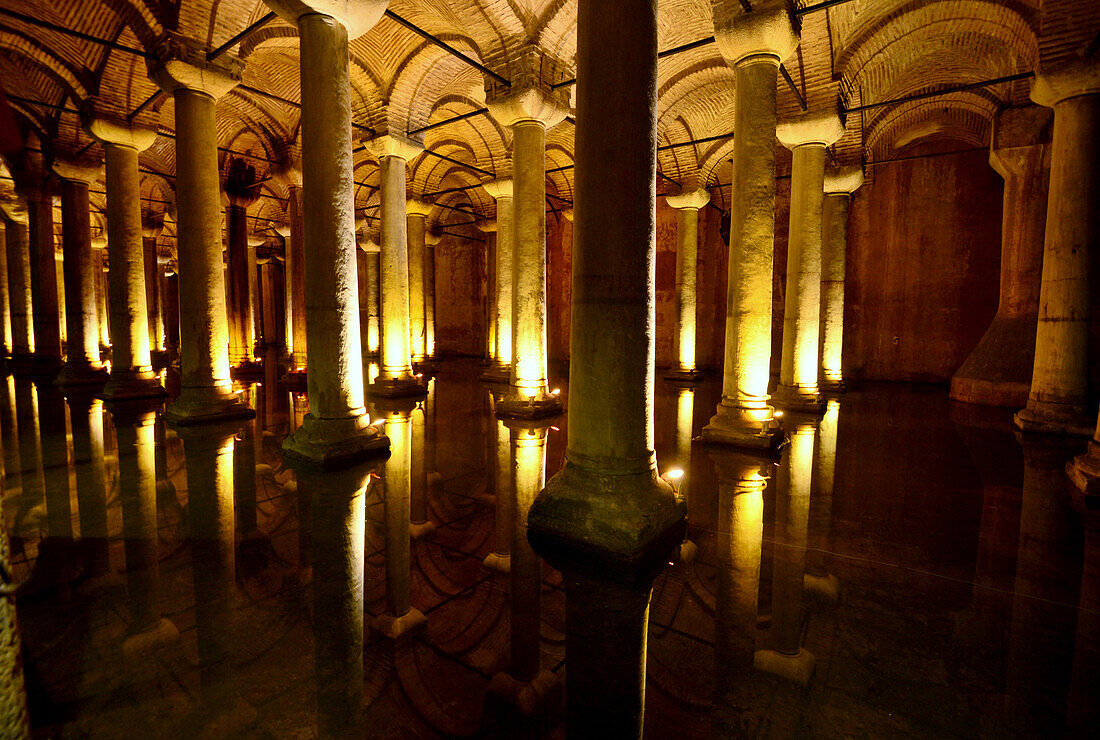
<point x="207" y="394"/>
<point x="839" y="184"/>
<point x="5" y="306"/>
<point x="46" y="315"/>
<point x="373" y="253"/>
<point x="416" y="220"/>
<point x="151" y="229"/>
<point x="430" y="241"/>
<point x="529" y="111"/>
<point x="754" y="44"/>
<point x="132" y="373"/>
<point x="501" y="190"/>
<point x="500" y="558"/>
<point x="687" y="204"/>
<point x="807" y="136"/>
<point x="19" y="284"/>
<point x="396" y="378"/>
<point x="678" y="475"/>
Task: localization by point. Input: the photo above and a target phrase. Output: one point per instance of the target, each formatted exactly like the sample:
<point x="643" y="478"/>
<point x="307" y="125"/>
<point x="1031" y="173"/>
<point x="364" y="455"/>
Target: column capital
<point x="99" y="242"/>
<point x="357" y="16"/>
<point x="282" y="230"/>
<point x="818" y="127"/>
<point x="1061" y="82"/>
<point x="568" y="213"/>
<point x="110" y="130"/>
<point x="75" y="170"/>
<point x="535" y="103"/>
<point x="486" y="225"/>
<point x="432" y="237"/>
<point x="843" y="179"/>
<point x="1018" y="134"/>
<point x="770" y="30"/>
<point x="502" y="187"/>
<point x="15" y="210"/>
<point x="180" y="63"/>
<point x="152" y="225"/>
<point x="696" y="199"/>
<point x="369" y="246"/>
<point x="393" y="145"/>
<point x="417" y="207"/>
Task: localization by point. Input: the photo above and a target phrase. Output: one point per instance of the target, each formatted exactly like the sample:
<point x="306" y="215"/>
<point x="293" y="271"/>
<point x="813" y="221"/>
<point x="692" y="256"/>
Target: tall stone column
<point x="151" y="229"/>
<point x="99" y="266"/>
<point x="43" y="274"/>
<point x="529" y="111"/>
<point x="806" y="136"/>
<point x="396" y="377"/>
<point x="82" y="363"/>
<point x="132" y="373"/>
<point x="294" y="243"/>
<point x="373" y="258"/>
<point x="416" y="219"/>
<point x="685" y="419"/>
<point x="19" y="285"/>
<point x="420" y="524"/>
<point x="1059" y="378"/>
<point x="172" y="314"/>
<point x="5" y="305"/>
<point x="335" y="432"/>
<point x="430" y="242"/>
<point x="839" y="184"/>
<point x="687" y="205"/>
<point x="998" y="370"/>
<point x="207" y="393"/>
<point x="240" y="189"/>
<point x="607" y="521"/>
<point x="754" y="44"/>
<point x="500" y="558"/>
<point x="501" y="191"/>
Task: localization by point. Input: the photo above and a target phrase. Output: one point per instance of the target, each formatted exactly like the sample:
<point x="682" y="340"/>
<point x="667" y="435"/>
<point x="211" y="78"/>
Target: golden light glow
<point x="674" y="474"/>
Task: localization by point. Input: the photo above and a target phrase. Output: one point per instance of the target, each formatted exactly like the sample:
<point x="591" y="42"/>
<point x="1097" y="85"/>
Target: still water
<point x="907" y="567"/>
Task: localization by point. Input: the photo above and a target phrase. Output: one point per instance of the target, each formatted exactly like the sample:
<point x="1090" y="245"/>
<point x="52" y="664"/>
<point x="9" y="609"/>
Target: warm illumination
<point x="674" y="474"/>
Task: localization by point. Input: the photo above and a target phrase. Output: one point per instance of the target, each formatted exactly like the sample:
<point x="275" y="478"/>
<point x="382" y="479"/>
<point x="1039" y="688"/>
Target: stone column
<point x="269" y="310"/>
<point x="82" y="363"/>
<point x="500" y="558"/>
<point x="529" y="112"/>
<point x="374" y="326"/>
<point x="132" y="373"/>
<point x="824" y="586"/>
<point x="43" y="275"/>
<point x="1059" y="379"/>
<point x="839" y="184"/>
<point x="241" y="191"/>
<point x="19" y="285"/>
<point x="416" y="219"/>
<point x="806" y="136"/>
<point x="685" y="419"/>
<point x="1084" y="470"/>
<point x="207" y="393"/>
<point x="607" y="521"/>
<point x="430" y="242"/>
<point x="502" y="192"/>
<point x="5" y="305"/>
<point x="754" y="44"/>
<point x="99" y="267"/>
<point x="172" y="314"/>
<point x="688" y="205"/>
<point x="998" y="370"/>
<point x="294" y="242"/>
<point x="420" y="524"/>
<point x="396" y="377"/>
<point x="151" y="229"/>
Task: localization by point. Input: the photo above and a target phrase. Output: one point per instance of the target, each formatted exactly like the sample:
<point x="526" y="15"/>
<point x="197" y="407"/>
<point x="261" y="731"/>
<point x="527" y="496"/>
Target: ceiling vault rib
<point x="70" y="32"/>
<point x="211" y="56"/>
<point x="447" y="47"/>
<point x="456" y="119"/>
<point x="942" y="91"/>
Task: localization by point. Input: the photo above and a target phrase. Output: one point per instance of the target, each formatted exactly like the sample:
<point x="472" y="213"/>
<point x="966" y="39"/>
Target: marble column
<point x="195" y="84"/>
<point x="430" y="242"/>
<point x="43" y="277"/>
<point x="500" y="558"/>
<point x="1059" y="380"/>
<point x="807" y="136"/>
<point x="687" y="204"/>
<point x="502" y="191"/>
<point x="5" y="305"/>
<point x="396" y="377"/>
<point x="151" y="229"/>
<point x="839" y="184"/>
<point x="420" y="524"/>
<point x="681" y="461"/>
<point x="529" y="112"/>
<point x="239" y="297"/>
<point x="416" y="219"/>
<point x="19" y="285"/>
<point x="82" y="362"/>
<point x="754" y="44"/>
<point x="172" y="314"/>
<point x="607" y="521"/>
<point x="998" y="371"/>
<point x="818" y="582"/>
<point x="373" y="258"/>
<point x="294" y="242"/>
<point x="132" y="373"/>
<point x="99" y="267"/>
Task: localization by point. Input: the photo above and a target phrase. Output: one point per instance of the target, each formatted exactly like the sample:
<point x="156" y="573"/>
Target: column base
<point x="330" y="444"/>
<point x="797" y="668"/>
<point x="515" y="406"/>
<point x="684" y="376"/>
<point x="1066" y="420"/>
<point x="247" y="371"/>
<point x="528" y="697"/>
<point x="145" y="643"/>
<point x="402" y="386"/>
<point x="497" y="373"/>
<point x="420" y="530"/>
<point x="206" y="406"/>
<point x="800" y="399"/>
<point x="125" y="385"/>
<point x="498" y="563"/>
<point x="833" y="386"/>
<point x="426" y="365"/>
<point x="81" y="376"/>
<point x="736" y="427"/>
<point x="1084" y="470"/>
<point x="392" y="627"/>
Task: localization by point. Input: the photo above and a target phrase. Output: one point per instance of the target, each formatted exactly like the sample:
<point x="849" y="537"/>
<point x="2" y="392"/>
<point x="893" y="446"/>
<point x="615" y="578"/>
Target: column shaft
<point x="429" y="301"/>
<point x="373" y="317"/>
<point x="505" y="271"/>
<point x="5" y="305"/>
<point x="296" y="279"/>
<point x="241" y="339"/>
<point x="82" y="314"/>
<point x="834" y="244"/>
<point x="43" y="273"/>
<point x="416" y="224"/>
<point x="396" y="353"/>
<point x="19" y="289"/>
<point x="152" y="293"/>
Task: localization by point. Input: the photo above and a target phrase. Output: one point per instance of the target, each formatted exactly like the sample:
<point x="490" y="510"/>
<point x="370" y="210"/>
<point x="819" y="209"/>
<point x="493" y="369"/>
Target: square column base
<point x="399" y="387"/>
<point x="206" y="406"/>
<point x="1084" y="471"/>
<point x="420" y="530"/>
<point x="732" y="427"/>
<point x="528" y="697"/>
<point x="800" y="399"/>
<point x="498" y="563"/>
<point x="682" y="376"/>
<point x="125" y="385"/>
<point x="1070" y="422"/>
<point x="331" y="444"/>
<point x="146" y="643"/>
<point x="82" y="376"/>
<point x="497" y="373"/>
<point x="797" y="668"/>
<point x="392" y="627"/>
<point x="833" y="386"/>
<point x="514" y="406"/>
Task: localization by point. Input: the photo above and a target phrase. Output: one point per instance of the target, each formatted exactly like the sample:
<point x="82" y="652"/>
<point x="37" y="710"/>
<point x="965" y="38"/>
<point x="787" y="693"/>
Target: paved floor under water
<point x="913" y="568"/>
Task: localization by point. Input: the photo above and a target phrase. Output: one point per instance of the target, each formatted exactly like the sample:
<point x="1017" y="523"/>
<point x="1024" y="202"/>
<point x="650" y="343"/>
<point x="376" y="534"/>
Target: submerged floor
<point x="913" y="568"/>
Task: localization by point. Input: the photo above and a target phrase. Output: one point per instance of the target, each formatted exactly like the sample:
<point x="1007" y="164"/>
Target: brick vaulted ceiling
<point x="860" y="51"/>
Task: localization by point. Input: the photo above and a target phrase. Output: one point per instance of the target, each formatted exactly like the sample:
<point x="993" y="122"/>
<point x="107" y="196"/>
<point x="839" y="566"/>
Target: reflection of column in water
<point x="338" y="519"/>
<point x="435" y="480"/>
<point x="786" y="656"/>
<point x="9" y="429"/>
<point x="208" y="452"/>
<point x="685" y="407"/>
<point x="86" y="413"/>
<point x="164" y="484"/>
<point x="134" y="428"/>
<point x="1047" y="580"/>
<point x="30" y="454"/>
<point x="742" y="479"/>
<point x="420" y="526"/>
<point x="817" y="581"/>
<point x="505" y="505"/>
<point x="400" y="616"/>
<point x="525" y="685"/>
<point x="1083" y="711"/>
<point x="244" y="480"/>
<point x="14" y="721"/>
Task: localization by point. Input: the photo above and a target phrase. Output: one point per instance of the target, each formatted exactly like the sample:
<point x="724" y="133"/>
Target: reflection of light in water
<point x="373" y="371"/>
